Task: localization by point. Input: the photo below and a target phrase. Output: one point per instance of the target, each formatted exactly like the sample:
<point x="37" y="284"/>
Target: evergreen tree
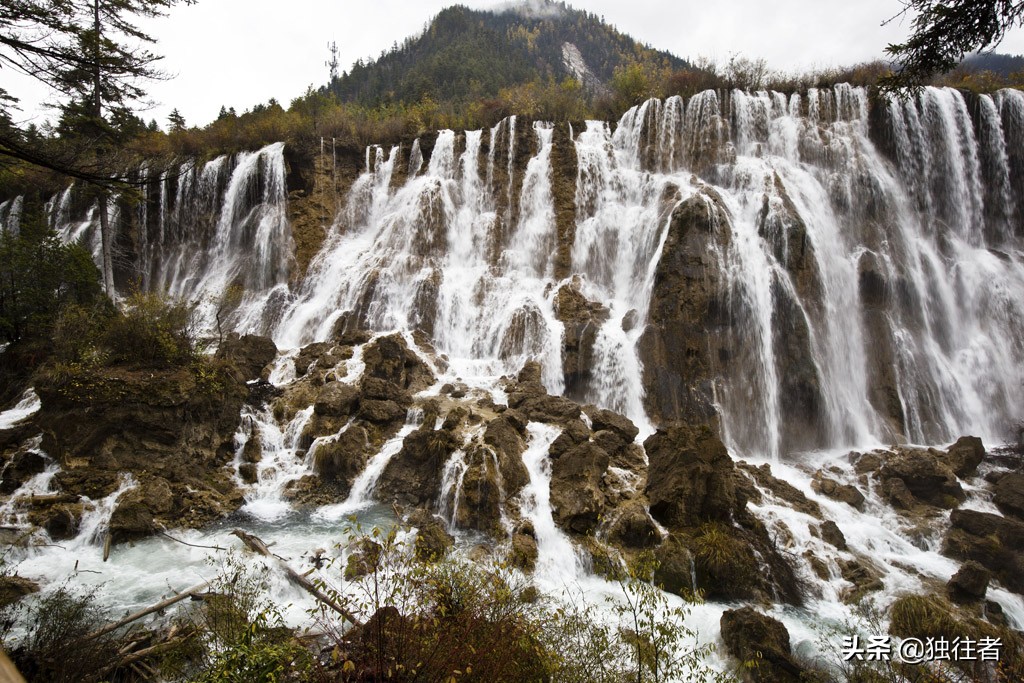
<point x="945" y="31"/>
<point x="104" y="85"/>
<point x="177" y="121"/>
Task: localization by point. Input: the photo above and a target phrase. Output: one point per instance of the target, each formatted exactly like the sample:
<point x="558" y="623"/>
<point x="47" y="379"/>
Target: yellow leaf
<point x="348" y="667"/>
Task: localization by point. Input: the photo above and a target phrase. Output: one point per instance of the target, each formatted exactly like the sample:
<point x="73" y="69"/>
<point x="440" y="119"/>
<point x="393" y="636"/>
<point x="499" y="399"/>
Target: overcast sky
<point x="242" y="52"/>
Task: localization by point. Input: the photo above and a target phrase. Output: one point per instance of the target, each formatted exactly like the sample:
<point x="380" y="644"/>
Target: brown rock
<point x="965" y="455"/>
<point x="750" y="636"/>
<point x="845" y="493"/>
<point x="992" y="541"/>
<point x="691" y="478"/>
<point x="926" y="477"/>
<point x="831" y="534"/>
<point x="969" y="583"/>
<point x="576" y="496"/>
<point x="381" y="412"/>
<point x="524" y="552"/>
<point x="14" y="588"/>
<point x="633" y="527"/>
<point x="390" y="358"/>
<point x="581" y="319"/>
<point x="1009" y="495"/>
<point x="337" y="399"/>
<point x="251" y="353"/>
<point x="340" y="460"/>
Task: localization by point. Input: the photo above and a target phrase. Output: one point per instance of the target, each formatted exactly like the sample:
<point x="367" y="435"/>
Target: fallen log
<point x="259" y="547"/>
<point x="149" y="610"/>
<point x="43" y="499"/>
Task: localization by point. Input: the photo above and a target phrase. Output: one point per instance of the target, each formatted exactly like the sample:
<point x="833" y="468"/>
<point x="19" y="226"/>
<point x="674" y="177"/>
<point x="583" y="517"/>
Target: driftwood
<point x="259" y="547"/>
<point x="149" y="610"/>
<point x="42" y="499"/>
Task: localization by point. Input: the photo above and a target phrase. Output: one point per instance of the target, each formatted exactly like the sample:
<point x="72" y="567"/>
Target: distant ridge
<point x="467" y="54"/>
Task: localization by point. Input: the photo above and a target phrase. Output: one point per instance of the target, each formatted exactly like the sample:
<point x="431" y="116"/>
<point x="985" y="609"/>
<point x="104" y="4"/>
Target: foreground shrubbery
<point x="434" y="621"/>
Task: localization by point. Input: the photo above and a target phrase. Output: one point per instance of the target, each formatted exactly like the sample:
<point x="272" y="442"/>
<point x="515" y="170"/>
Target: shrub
<point x="152" y="331"/>
<point x="58" y="623"/>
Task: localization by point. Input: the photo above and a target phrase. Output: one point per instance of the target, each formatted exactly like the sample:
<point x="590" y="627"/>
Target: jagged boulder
<point x="688" y="321"/>
<point x="969" y="583"/>
<point x="581" y="319"/>
<point x="339" y="460"/>
<point x="138" y="509"/>
<point x="523" y="553"/>
<point x="964" y="456"/>
<point x="750" y="636"/>
<point x="61" y="521"/>
<point x="577" y="498"/>
<point x="390" y="358"/>
<point x="995" y="542"/>
<point x="250" y="353"/>
<point x="505" y="434"/>
<point x="925" y="475"/>
<point x="845" y="493"/>
<point x="633" y="526"/>
<point x="691" y="479"/>
<point x="1009" y="495"/>
<point x="20" y="468"/>
<point x="481" y="493"/>
<point x="336" y="399"/>
<point x="413" y="475"/>
<point x="780" y="488"/>
<point x="832" y="534"/>
<point x="527" y="395"/>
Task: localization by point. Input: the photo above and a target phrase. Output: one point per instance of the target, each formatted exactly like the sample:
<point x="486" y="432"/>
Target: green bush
<point x="39" y="275"/>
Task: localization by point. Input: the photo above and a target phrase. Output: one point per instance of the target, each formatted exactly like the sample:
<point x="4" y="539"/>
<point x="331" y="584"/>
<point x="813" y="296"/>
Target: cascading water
<point x="864" y="257"/>
<point x="919" y="204"/>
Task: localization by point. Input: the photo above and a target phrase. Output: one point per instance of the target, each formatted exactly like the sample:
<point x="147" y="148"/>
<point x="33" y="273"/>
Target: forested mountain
<point x="1001" y="64"/>
<point x="469" y="54"/>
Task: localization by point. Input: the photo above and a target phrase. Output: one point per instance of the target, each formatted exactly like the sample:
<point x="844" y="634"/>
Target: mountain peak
<point x="466" y="54"/>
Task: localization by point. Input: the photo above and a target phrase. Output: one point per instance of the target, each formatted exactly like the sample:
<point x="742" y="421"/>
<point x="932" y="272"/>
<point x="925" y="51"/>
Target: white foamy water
<point x="26" y="406"/>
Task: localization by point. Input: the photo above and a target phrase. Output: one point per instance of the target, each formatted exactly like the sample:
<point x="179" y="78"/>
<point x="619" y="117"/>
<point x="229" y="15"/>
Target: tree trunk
<point x="106" y="237"/>
<point x="106" y="240"/>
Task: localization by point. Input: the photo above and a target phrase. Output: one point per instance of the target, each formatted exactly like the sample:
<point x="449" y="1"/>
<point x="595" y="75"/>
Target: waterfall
<point x="865" y="274"/>
<point x="558" y="560"/>
<point x="215" y="234"/>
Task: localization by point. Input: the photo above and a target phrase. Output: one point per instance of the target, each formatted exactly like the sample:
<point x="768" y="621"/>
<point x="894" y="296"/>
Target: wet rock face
<point x="173" y="430"/>
<point x="340" y="460"/>
<point x="925" y="475"/>
<point x="576" y="496"/>
<point x="713" y="542"/>
<point x="390" y="358"/>
<point x="413" y="475"/>
<point x="964" y="456"/>
<point x="581" y="320"/>
<point x="691" y="478"/>
<point x="687" y="321"/>
<point x="752" y="636"/>
<point x="1009" y="495"/>
<point x="994" y="542"/>
<point x="969" y="583"/>
<point x="19" y="469"/>
<point x="529" y="397"/>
